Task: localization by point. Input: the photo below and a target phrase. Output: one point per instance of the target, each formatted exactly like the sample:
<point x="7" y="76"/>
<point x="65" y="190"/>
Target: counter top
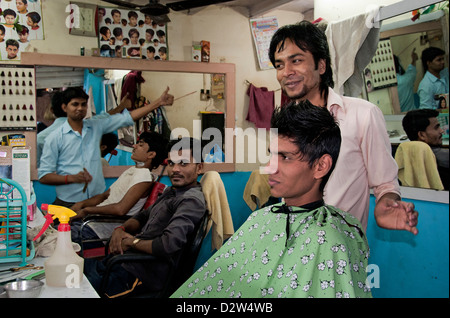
<point x="397" y="140"/>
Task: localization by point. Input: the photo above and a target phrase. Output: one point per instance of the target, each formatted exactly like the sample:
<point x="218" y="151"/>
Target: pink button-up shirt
<point x="365" y="161"/>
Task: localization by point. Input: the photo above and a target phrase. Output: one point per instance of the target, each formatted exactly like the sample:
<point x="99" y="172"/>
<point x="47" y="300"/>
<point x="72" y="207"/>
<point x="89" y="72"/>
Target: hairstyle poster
<point x="380" y="73"/>
<point x="20" y="22"/>
<point x="131" y="34"/>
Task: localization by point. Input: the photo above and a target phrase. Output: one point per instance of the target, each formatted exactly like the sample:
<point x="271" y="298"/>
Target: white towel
<point x="352" y="42"/>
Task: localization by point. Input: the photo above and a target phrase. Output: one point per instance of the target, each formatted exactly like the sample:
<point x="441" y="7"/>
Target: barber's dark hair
<point x="110" y="140"/>
<point x="307" y="37"/>
<point x="193" y="144"/>
<point x="429" y="54"/>
<point x="313" y="129"/>
<point x="157" y="143"/>
<point x="417" y="120"/>
<point x="57" y="99"/>
<point x="73" y="92"/>
<point x="398" y="67"/>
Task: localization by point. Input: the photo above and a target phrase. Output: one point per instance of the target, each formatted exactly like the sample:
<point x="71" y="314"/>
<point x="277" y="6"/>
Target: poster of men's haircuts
<point x="20" y="22"/>
<point x="130" y="33"/>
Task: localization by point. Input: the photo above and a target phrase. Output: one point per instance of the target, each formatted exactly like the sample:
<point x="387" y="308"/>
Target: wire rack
<point x="13" y="223"/>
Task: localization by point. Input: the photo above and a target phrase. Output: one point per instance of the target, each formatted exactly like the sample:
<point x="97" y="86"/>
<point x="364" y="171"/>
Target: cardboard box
<point x="206" y="49"/>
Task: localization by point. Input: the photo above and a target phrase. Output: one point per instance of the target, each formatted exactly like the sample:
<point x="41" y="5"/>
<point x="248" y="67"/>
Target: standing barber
<point x="301" y="58"/>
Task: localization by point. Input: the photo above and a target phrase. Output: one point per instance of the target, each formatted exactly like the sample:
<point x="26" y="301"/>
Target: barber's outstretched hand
<point x="166" y="98"/>
<point x="393" y="214"/>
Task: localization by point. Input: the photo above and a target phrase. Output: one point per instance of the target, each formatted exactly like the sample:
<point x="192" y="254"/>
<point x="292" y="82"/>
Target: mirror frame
<point x="44" y="59"/>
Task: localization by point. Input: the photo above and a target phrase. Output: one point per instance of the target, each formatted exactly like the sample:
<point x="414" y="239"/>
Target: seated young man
<point x="161" y="230"/>
<point x="302" y="247"/>
<point x="423" y="125"/>
<point x="127" y="195"/>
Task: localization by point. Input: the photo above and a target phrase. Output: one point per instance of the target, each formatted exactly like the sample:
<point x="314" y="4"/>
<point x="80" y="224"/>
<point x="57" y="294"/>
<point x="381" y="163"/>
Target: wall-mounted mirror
<point x="187" y="81"/>
<point x="406" y="39"/>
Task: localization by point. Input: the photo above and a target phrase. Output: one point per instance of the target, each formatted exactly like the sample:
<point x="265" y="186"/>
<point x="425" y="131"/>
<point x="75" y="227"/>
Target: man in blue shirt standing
<point x="405" y="82"/>
<point x="435" y="80"/>
<point x="71" y="157"/>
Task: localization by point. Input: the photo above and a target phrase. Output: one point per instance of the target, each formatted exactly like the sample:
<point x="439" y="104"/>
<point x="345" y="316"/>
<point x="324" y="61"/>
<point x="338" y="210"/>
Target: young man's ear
<point x="199" y="168"/>
<point x="421" y="136"/>
<point x="322" y="166"/>
<point x="151" y="154"/>
<point x="322" y="66"/>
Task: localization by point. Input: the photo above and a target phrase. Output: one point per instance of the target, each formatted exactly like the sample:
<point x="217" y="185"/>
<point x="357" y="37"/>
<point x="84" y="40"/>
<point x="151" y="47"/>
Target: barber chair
<point x="211" y="183"/>
<point x="176" y="274"/>
<point x="99" y="252"/>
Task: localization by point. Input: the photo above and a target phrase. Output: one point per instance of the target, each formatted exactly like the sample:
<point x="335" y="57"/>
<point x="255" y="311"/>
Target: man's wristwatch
<point x="135" y="241"/>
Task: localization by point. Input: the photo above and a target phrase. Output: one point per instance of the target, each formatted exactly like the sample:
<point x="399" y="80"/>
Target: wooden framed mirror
<point x="227" y="69"/>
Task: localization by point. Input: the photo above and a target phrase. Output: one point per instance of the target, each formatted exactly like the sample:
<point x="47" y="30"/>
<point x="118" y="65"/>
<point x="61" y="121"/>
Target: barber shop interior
<point x="290" y="149"/>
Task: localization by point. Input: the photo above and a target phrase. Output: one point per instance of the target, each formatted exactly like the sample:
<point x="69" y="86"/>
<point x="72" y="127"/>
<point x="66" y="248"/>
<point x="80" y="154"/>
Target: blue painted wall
<point x="408" y="266"/>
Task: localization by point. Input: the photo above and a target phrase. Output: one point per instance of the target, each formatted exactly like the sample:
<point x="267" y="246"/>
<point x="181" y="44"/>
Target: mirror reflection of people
<point x="301" y="58"/>
<point x="405" y="82"/>
<point x="435" y="80"/>
<point x="127" y="195"/>
<point x="423" y="125"/>
<point x="71" y="156"/>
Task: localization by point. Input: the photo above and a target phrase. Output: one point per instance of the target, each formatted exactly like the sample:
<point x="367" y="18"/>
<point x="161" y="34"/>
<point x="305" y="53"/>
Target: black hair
<point x="312" y="128"/>
<point x="114" y="11"/>
<point x="10" y="12"/>
<point x="309" y="38"/>
<point x="12" y="42"/>
<point x="398" y="67"/>
<point x="117" y="32"/>
<point x="34" y="16"/>
<point x="57" y="99"/>
<point x="157" y="143"/>
<point x="73" y="92"/>
<point x="103" y="30"/>
<point x="193" y="144"/>
<point x="429" y="54"/>
<point x="417" y="120"/>
<point x="110" y="140"/>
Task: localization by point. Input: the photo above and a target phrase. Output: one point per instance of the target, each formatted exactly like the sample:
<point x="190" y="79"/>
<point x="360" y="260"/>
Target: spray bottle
<point x="64" y="268"/>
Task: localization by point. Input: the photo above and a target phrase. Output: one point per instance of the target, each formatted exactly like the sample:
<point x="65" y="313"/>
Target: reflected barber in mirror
<point x="435" y="80"/>
<point x="405" y="82"/>
<point x="423" y="125"/>
<point x="71" y="157"/>
<point x="302" y="61"/>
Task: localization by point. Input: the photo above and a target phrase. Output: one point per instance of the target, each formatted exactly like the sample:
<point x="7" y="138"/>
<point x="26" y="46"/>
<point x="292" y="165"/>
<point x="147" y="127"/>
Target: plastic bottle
<point x="64" y="268"/>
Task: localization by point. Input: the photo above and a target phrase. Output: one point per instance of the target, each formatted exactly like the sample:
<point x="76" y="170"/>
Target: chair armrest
<point x="105" y="218"/>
